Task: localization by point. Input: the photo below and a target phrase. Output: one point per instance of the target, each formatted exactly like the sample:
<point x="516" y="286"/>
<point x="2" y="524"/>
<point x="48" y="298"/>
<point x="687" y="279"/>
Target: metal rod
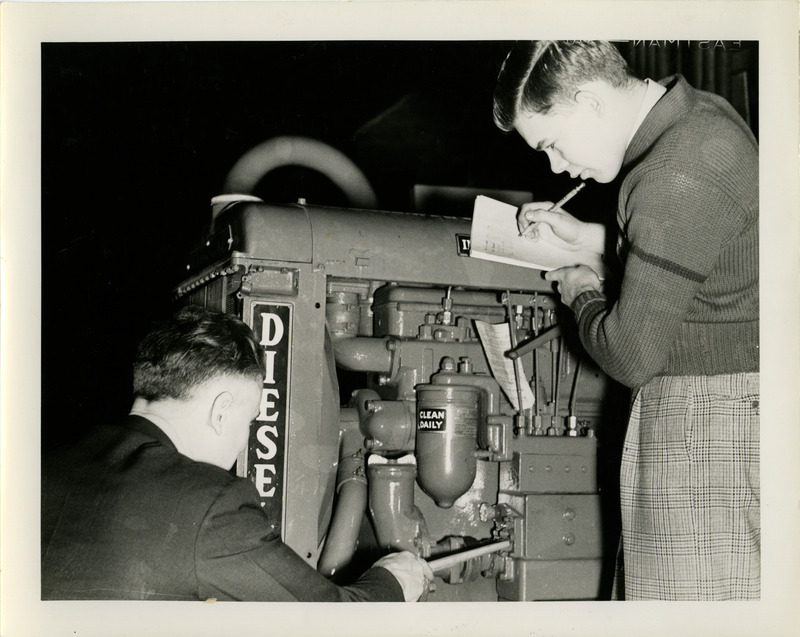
<point x="517" y="369"/>
<point x="574" y="398"/>
<point x="535" y="342"/>
<point x="449" y="561"/>
<point x="535" y="327"/>
<point x="557" y="380"/>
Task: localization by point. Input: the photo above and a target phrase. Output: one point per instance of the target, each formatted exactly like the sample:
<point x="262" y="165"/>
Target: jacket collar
<point x="148" y="428"/>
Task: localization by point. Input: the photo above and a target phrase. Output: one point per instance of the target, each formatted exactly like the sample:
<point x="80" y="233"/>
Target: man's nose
<point x="557" y="163"/>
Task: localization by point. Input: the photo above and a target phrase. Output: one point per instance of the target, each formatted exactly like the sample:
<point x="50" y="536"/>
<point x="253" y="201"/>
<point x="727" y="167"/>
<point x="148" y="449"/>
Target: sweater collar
<point x="677" y="100"/>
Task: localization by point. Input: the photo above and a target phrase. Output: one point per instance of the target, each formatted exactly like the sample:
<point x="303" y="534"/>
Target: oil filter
<point x="447" y="426"/>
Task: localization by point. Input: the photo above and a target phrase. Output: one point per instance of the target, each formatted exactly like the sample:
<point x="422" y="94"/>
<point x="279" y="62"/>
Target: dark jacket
<point x="125" y="516"/>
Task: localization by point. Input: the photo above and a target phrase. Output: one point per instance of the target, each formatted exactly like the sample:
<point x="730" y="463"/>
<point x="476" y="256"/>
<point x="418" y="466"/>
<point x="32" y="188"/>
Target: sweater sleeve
<point x="677" y="221"/>
<point x="239" y="557"/>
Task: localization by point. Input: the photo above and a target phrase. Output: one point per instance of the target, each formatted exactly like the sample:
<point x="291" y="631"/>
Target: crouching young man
<point x="150" y="510"/>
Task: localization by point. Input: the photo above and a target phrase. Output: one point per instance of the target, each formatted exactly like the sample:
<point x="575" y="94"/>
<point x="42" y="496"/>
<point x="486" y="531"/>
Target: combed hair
<point x="195" y="346"/>
<point x="540" y="75"/>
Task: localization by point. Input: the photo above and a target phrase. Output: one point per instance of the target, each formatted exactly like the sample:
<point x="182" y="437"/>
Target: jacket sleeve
<point x="677" y="223"/>
<point x="239" y="557"/>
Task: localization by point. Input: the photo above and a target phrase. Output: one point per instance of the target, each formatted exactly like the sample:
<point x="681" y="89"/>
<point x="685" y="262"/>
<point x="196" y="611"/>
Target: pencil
<point x="560" y="202"/>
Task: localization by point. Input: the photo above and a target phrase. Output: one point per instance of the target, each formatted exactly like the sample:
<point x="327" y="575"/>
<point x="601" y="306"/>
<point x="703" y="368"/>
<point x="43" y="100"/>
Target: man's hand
<point x="410" y="571"/>
<point x="559" y="228"/>
<point x="573" y="281"/>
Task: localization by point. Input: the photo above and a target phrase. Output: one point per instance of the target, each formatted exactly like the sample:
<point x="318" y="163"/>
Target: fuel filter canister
<point x="447" y="427"/>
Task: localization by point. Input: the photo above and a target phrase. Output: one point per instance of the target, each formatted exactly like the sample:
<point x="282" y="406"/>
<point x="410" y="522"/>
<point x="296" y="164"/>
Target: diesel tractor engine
<point x="384" y="425"/>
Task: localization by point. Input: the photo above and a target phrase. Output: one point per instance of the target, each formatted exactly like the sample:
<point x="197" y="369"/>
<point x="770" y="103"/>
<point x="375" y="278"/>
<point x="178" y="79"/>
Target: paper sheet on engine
<point x="496" y="341"/>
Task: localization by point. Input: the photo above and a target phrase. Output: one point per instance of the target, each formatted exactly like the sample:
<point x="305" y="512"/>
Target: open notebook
<point x="495" y="237"/>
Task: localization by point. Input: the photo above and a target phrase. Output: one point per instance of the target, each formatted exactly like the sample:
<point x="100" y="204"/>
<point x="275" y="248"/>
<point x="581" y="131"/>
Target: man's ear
<point x="219" y="410"/>
<point x="590" y="99"/>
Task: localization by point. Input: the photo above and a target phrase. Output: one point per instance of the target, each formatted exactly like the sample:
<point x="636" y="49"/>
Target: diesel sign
<point x="266" y="450"/>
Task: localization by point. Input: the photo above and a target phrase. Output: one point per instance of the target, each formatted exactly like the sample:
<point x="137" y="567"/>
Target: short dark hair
<point x="539" y="75"/>
<point x="195" y="346"/>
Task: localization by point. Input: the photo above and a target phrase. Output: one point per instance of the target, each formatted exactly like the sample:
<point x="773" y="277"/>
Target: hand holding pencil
<point x="549" y="223"/>
<point x="556" y="206"/>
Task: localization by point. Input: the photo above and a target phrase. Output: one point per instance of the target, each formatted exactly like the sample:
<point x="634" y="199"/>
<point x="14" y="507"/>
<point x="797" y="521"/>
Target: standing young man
<point x="683" y="328"/>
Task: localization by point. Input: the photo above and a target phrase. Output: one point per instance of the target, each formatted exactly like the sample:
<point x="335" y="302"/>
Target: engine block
<point x="382" y="426"/>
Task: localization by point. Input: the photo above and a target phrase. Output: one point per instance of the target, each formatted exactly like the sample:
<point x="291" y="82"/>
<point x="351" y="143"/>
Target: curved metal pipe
<point x="573" y="400"/>
<point x="351" y="504"/>
<point x="387" y="426"/>
<point x="398" y="523"/>
<point x="308" y="153"/>
<point x="363" y="354"/>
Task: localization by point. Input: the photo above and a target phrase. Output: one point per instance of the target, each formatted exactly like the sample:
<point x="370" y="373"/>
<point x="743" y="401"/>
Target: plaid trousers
<point x="689" y="491"/>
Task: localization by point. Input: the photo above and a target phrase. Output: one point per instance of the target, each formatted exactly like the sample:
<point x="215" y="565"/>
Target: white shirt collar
<point x="160" y="422"/>
<point x="652" y="95"/>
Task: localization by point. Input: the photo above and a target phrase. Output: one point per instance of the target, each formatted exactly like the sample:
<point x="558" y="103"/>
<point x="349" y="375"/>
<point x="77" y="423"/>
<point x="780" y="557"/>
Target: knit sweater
<point x="688" y="220"/>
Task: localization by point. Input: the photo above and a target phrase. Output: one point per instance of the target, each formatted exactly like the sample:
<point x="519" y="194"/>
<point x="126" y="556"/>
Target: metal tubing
<point x="351" y="504"/>
<point x="512" y="330"/>
<point x="387" y="425"/>
<point x="573" y="400"/>
<point x="363" y="354"/>
<point x="557" y="378"/>
<point x="398" y="523"/>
